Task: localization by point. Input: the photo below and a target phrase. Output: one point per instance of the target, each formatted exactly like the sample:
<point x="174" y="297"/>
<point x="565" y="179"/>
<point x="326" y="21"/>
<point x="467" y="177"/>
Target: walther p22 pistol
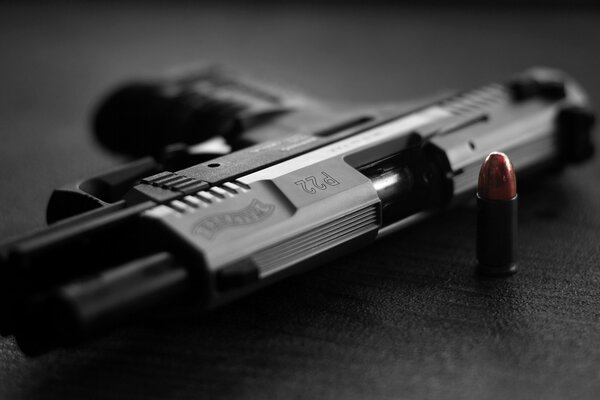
<point x="320" y="180"/>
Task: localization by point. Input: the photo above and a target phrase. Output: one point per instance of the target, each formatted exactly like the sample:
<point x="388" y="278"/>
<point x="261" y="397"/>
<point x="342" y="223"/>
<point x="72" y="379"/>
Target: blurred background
<point x="59" y="58"/>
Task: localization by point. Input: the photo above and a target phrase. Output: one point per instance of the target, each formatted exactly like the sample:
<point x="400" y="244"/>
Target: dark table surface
<point x="403" y="318"/>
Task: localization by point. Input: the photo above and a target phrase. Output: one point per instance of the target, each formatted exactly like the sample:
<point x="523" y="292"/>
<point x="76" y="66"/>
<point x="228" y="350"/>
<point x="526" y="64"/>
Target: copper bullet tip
<point x="497" y="179"/>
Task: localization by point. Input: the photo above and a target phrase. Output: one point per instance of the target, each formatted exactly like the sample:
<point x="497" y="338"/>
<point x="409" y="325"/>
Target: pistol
<point x="184" y="230"/>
